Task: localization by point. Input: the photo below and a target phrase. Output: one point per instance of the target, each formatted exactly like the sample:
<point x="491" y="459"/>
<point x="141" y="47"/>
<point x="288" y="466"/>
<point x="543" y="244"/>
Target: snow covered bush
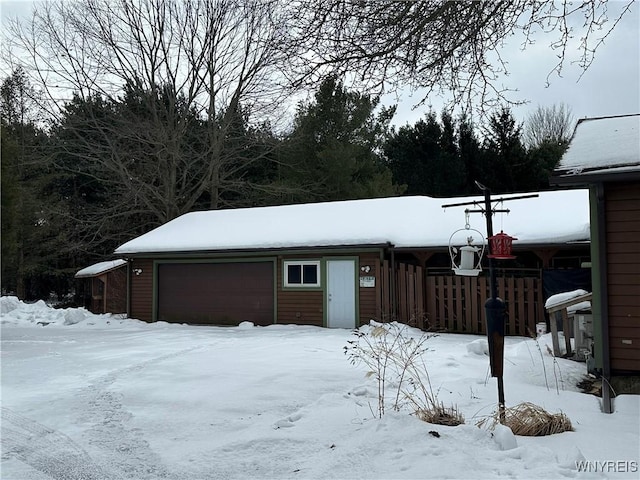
<point x="393" y="353"/>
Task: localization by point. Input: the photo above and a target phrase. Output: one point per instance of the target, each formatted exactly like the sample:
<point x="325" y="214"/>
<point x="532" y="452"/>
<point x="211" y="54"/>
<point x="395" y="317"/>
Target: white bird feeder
<point x="470" y="256"/>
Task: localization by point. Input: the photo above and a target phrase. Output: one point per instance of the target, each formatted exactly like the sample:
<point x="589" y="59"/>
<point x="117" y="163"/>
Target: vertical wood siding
<point x="623" y="274"/>
<point x="117" y="290"/>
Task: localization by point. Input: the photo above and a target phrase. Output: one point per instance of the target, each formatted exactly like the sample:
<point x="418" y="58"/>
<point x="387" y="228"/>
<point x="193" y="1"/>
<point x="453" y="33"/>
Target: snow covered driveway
<point x="111" y="398"/>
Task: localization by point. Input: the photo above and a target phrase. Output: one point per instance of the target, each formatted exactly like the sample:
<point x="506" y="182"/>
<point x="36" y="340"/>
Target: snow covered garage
<point x="339" y="264"/>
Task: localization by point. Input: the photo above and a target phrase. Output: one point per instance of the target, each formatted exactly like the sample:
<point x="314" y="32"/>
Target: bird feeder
<point x="470" y="256"/>
<point x="501" y="245"/>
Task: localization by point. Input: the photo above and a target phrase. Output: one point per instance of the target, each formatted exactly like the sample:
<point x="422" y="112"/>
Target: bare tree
<point x="213" y="60"/>
<point x="449" y="47"/>
<point x="548" y="124"/>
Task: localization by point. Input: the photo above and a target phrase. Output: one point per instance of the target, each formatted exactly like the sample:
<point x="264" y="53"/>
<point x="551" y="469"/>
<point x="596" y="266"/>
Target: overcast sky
<point x="611" y="86"/>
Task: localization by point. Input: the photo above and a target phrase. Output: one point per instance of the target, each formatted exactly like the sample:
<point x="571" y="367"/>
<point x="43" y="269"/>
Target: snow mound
<point x="478" y="347"/>
<point x="504" y="437"/>
<point x="15" y="312"/>
<point x="74" y="315"/>
<point x="393" y="328"/>
<point x="7" y="304"/>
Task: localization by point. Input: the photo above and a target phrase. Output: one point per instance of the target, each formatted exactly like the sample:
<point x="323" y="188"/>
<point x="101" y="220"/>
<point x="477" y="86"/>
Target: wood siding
<point x="623" y="274"/>
<point x="369" y="296"/>
<point x="116" y="290"/>
<point x="299" y="306"/>
<point x="141" y="290"/>
<point x="307" y="306"/>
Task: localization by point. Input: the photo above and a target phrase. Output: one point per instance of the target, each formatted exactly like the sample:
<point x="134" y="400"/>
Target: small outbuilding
<point x="341" y="264"/>
<point x="604" y="155"/>
<point x="105" y="286"/>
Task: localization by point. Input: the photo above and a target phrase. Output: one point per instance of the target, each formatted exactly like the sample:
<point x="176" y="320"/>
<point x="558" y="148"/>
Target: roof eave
<point x="248" y="251"/>
<point x="590" y="178"/>
<point x="97" y="274"/>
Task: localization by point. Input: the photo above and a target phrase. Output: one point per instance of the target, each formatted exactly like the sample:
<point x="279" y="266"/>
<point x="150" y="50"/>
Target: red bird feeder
<point x="501" y="246"/>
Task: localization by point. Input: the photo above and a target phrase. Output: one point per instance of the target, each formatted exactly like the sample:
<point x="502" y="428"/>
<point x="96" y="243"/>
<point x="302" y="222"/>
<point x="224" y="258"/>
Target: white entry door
<point x="341" y="294"/>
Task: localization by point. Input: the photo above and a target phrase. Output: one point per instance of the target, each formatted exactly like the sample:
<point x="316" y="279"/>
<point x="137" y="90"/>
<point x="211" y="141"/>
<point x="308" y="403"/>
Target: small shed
<point x="105" y="286"/>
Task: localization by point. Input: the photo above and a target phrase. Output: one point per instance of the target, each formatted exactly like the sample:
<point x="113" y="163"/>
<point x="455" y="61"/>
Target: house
<point x="604" y="155"/>
<point x="340" y="264"/>
<point x="105" y="286"/>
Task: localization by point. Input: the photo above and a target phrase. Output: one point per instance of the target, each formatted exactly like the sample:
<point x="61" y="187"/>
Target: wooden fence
<point x="456" y="304"/>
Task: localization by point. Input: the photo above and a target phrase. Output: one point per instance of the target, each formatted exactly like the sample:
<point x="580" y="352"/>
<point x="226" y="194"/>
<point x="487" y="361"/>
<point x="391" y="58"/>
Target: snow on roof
<point x="99" y="268"/>
<point x="603" y="144"/>
<point x="552" y="218"/>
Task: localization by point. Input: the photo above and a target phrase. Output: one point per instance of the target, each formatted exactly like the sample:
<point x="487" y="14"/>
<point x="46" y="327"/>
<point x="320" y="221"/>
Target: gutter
<point x="589" y="178"/>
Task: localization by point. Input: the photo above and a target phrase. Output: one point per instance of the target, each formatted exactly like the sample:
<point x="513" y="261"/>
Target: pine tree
<point x="333" y="152"/>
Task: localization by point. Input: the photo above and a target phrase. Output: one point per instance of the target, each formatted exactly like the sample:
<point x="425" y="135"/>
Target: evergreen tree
<point x="471" y="155"/>
<point x="506" y="166"/>
<point x="544" y="158"/>
<point x="19" y="208"/>
<point x="426" y="157"/>
<point x="334" y="151"/>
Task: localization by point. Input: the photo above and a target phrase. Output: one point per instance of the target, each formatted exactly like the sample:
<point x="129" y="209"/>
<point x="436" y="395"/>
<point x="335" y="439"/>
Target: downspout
<point x="607" y="403"/>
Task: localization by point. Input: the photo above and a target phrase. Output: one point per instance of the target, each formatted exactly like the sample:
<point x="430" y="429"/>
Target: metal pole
<point x="494" y="310"/>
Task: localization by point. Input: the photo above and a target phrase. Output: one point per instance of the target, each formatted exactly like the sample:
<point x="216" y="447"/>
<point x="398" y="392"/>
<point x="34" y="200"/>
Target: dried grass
<point x="529" y="420"/>
<point x="438" y="414"/>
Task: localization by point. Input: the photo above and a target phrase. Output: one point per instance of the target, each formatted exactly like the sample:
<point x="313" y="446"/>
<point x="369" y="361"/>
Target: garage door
<point x="216" y="293"/>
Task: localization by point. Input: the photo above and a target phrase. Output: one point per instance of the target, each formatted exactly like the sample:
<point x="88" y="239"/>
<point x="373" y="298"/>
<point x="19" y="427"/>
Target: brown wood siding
<point x="117" y="290"/>
<point x="141" y="290"/>
<point x="216" y="293"/>
<point x="369" y="295"/>
<point x="306" y="307"/>
<point x="623" y="274"/>
<point x="302" y="307"/>
<point x="97" y="295"/>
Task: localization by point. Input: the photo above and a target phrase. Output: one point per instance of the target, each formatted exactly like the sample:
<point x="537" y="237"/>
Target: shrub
<point x="395" y="357"/>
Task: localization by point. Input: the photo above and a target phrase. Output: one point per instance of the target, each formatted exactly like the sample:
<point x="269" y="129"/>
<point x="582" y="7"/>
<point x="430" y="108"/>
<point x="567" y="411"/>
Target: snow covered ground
<point x="88" y="397"/>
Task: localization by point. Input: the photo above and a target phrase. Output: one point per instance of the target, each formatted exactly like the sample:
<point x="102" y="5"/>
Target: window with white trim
<point x="302" y="273"/>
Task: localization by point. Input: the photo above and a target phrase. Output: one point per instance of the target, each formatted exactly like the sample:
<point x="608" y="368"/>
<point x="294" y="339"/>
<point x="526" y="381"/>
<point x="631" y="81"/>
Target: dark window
<point x="310" y="274"/>
<point x="302" y="273"/>
<point x="294" y="274"/>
